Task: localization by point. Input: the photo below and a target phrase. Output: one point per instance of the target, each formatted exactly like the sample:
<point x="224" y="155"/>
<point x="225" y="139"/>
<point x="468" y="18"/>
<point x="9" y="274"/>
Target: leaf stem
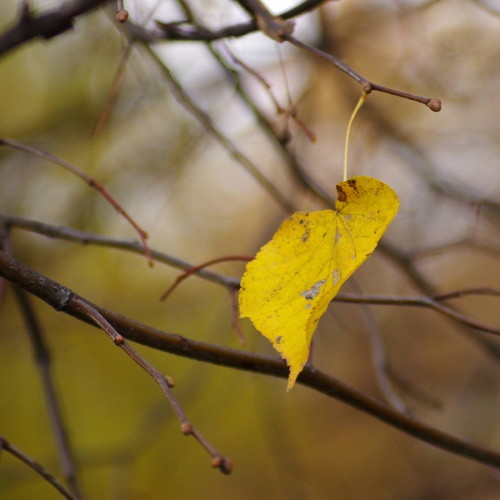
<point x="362" y="99"/>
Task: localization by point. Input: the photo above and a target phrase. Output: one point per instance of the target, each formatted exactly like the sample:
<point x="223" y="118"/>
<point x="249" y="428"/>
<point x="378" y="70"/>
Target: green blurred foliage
<point x="197" y="203"/>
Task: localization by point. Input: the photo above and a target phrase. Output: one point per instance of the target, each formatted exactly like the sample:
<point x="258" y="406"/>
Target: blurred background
<point x="197" y="202"/>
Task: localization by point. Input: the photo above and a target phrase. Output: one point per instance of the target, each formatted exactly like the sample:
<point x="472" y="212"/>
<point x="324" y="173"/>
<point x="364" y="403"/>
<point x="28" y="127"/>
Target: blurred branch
<point x="427" y="302"/>
<point x="298" y="172"/>
<point x="113" y="93"/>
<point x="45" y="25"/>
<point x="16" y="452"/>
<point x="43" y="363"/>
<point x="378" y="355"/>
<point x="91" y="182"/>
<point x="405" y="262"/>
<point x="188" y="32"/>
<point x="6" y="246"/>
<point x="416" y="157"/>
<point x="65" y="300"/>
<point x="192" y="107"/>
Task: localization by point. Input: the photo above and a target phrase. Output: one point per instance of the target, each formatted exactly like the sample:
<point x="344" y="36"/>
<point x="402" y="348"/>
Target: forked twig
<point x="289" y="111"/>
<point x="432" y="103"/>
<point x="194" y="270"/>
<point x="233" y="290"/>
<point x="419" y="301"/>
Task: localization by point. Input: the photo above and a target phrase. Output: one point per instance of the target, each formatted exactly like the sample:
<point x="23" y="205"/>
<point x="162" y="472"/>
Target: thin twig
<point x="379" y="360"/>
<point x="16" y="452"/>
<point x="194" y="270"/>
<point x="418" y="301"/>
<point x="431" y="102"/>
<point x="113" y="92"/>
<point x="89" y="180"/>
<point x="206" y="121"/>
<point x="289" y="112"/>
<point x="457" y="294"/>
<point x="407" y="265"/>
<point x="233" y="296"/>
<point x="43" y="363"/>
<point x="84" y="238"/>
<point x="86" y="309"/>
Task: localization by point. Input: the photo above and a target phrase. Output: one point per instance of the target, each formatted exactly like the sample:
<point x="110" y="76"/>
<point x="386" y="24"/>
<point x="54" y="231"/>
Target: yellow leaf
<point x="288" y="286"/>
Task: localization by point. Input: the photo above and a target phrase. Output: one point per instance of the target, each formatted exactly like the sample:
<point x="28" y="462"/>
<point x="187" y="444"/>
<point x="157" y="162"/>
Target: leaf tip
<point x="292" y="377"/>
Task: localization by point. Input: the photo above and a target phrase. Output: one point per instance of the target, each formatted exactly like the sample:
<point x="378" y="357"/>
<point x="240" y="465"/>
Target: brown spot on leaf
<point x="341" y="194"/>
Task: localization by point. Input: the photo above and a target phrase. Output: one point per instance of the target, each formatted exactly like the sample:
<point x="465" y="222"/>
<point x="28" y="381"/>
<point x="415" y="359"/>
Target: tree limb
<point x="62" y="299"/>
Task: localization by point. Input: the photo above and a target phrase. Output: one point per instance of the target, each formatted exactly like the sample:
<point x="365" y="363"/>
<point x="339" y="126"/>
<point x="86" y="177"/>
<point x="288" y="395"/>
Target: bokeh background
<point x="198" y="203"/>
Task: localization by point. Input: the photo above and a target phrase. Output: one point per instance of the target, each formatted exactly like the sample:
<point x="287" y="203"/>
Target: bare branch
<point x="16" y="452"/>
<point x="84" y="238"/>
<point x="431" y="102"/>
<point x="84" y="308"/>
<point x="43" y="362"/>
<point x="432" y="301"/>
<point x="379" y="359"/>
<point x="45" y="25"/>
<point x="63" y="299"/>
<point x="427" y="302"/>
<point x="204" y="119"/>
<point x="89" y="180"/>
<point x="183" y="32"/>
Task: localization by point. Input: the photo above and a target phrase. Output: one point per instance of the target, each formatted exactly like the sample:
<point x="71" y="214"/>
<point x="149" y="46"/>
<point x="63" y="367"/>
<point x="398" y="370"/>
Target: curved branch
<point x="60" y="298"/>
